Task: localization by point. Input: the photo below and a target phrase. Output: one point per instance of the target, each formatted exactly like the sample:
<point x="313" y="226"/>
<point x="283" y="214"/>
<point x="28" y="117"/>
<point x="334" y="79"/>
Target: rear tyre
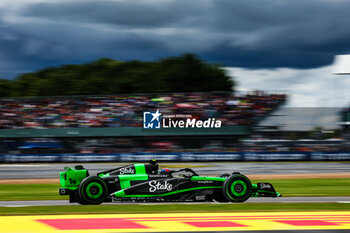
<point x="92" y="190"/>
<point x="237" y="188"/>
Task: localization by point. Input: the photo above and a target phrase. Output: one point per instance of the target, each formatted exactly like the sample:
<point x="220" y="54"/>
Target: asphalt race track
<point x="34" y="171"/>
<point x="250" y="200"/>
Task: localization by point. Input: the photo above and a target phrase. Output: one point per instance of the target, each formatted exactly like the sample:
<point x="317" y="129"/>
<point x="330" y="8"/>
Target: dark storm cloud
<point x="265" y="58"/>
<point x="128" y="13"/>
<point x="243" y="33"/>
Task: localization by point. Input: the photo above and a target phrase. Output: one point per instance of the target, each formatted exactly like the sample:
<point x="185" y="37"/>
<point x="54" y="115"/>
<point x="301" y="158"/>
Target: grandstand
<point x="126" y="110"/>
<point x="113" y="124"/>
<point x="109" y="128"/>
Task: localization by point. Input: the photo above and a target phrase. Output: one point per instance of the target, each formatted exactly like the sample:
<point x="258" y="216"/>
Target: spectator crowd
<point x="126" y="110"/>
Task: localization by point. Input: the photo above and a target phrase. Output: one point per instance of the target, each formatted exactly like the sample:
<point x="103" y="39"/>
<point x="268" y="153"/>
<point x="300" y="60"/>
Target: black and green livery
<point x="143" y="182"/>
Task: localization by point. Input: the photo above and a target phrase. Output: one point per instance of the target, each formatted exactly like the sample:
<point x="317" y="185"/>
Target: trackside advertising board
<point x="181" y="157"/>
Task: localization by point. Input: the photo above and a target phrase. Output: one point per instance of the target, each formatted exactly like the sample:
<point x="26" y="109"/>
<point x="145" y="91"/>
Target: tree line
<point x="105" y="76"/>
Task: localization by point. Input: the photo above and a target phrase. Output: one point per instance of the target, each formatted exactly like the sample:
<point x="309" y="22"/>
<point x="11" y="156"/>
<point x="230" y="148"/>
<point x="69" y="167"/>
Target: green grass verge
<point x="173" y="208"/>
<point x="21" y="192"/>
<point x="288" y="188"/>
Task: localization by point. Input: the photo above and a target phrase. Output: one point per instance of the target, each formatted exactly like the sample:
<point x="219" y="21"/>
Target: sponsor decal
<point x="265" y="186"/>
<point x="158" y="176"/>
<point x="205" y="181"/>
<point x="156" y="186"/>
<point x="155" y="120"/>
<point x="127" y="171"/>
<point x="200" y="198"/>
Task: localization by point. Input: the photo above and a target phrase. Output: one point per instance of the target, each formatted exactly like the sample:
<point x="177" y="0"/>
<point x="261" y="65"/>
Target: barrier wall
<point x="121" y="131"/>
<point x="178" y="157"/>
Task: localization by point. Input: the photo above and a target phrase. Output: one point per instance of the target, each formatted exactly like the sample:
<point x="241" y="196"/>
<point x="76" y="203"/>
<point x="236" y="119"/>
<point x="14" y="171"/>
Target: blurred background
<point x="82" y="120"/>
<point x="77" y="76"/>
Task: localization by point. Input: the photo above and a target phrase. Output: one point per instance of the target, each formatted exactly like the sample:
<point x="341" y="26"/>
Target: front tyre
<point x="92" y="190"/>
<point x="237" y="188"/>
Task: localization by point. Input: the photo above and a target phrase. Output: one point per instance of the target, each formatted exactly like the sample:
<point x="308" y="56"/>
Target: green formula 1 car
<point x="143" y="182"/>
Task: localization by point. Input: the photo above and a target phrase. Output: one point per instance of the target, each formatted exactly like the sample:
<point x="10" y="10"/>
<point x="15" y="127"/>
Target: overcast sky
<point x="290" y="43"/>
<point x="314" y="87"/>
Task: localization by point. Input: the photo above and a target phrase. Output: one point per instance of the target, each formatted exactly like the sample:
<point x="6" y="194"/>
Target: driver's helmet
<point x="153" y="166"/>
<point x="153" y="161"/>
<point x="165" y="171"/>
